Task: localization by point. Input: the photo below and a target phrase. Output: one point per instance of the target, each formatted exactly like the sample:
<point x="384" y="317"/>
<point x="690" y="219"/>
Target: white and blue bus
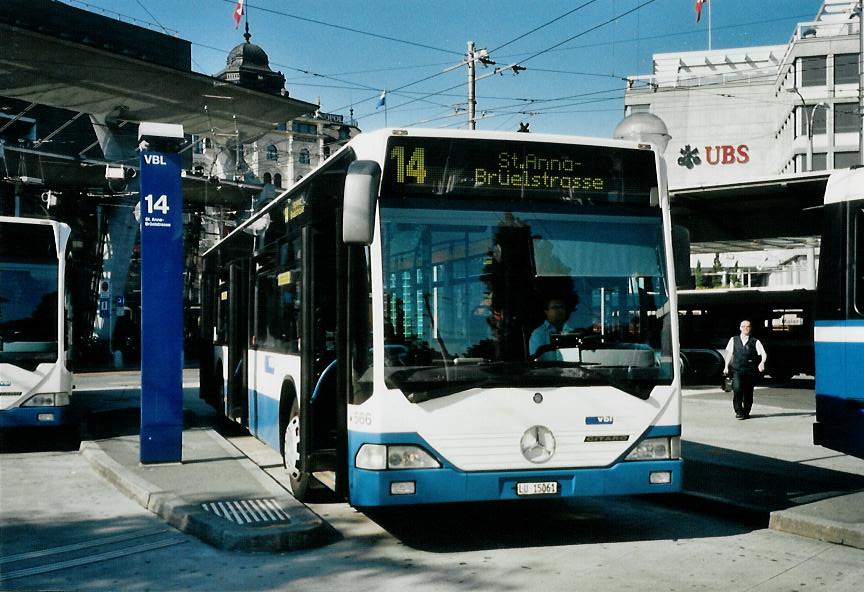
<point x="35" y="382"/>
<point x="374" y="320"/>
<point x="839" y="325"/>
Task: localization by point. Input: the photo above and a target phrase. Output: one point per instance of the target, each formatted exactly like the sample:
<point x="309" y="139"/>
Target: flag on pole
<point x="699" y="4"/>
<point x="382" y="100"/>
<point x="238" y="12"/>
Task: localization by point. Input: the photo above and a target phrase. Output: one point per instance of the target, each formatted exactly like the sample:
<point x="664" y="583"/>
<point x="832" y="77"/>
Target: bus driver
<point x="557" y="313"/>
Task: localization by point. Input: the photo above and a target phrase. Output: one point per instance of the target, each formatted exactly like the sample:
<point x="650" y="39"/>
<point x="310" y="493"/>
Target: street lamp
<point x="859" y="12"/>
<point x="822" y="105"/>
<point x="808" y="120"/>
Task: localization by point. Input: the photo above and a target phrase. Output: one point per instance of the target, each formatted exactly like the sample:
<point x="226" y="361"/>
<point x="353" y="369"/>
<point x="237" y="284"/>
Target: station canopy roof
<point x="780" y="212"/>
<point x="49" y="70"/>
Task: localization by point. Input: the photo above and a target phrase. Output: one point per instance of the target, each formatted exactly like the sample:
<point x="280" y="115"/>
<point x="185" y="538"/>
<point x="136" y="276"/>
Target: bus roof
<point x="845" y="185"/>
<point x="370" y="145"/>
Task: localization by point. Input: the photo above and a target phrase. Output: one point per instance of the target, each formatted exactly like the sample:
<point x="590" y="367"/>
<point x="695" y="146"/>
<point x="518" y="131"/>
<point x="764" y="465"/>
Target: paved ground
<point x="607" y="544"/>
<point x="766" y="467"/>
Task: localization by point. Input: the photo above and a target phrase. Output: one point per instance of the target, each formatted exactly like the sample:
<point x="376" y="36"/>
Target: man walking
<point x="747" y="356"/>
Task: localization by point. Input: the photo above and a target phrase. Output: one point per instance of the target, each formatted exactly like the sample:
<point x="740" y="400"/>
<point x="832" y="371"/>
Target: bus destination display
<point x="564" y="172"/>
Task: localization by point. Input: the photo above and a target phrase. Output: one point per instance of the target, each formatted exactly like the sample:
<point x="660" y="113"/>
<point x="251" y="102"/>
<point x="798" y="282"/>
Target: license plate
<point x="537" y="488"/>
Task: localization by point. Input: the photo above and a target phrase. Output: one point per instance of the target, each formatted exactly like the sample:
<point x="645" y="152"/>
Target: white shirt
<point x="542" y="335"/>
<point x="730" y="347"/>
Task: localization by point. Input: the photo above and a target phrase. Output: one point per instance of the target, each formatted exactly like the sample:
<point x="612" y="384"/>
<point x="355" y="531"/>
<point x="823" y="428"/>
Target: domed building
<point x="284" y="155"/>
<point x="249" y="66"/>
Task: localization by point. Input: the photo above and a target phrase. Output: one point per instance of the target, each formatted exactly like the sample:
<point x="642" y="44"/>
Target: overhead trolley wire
<point x="539" y="53"/>
<point x="344" y="28"/>
<point x="589" y="30"/>
<point x="546" y="24"/>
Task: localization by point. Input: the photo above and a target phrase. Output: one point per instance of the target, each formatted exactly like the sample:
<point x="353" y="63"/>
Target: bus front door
<point x="238" y="341"/>
<point x="319" y="362"/>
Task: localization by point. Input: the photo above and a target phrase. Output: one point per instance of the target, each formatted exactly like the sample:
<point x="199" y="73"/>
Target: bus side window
<point x="290" y="282"/>
<point x="361" y="325"/>
<point x="262" y="300"/>
<point x="277" y="302"/>
<point x="858" y="260"/>
<point x="221" y="329"/>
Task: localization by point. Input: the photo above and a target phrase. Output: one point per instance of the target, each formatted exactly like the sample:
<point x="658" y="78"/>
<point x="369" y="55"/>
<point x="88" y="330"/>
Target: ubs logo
<point x="689" y="157"/>
<point x="714" y="155"/>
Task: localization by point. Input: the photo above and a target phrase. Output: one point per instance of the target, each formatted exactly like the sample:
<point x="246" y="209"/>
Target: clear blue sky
<point x="345" y="52"/>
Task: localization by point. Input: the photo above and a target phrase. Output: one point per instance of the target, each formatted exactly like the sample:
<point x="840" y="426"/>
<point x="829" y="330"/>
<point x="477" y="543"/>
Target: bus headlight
<point x="379" y="457"/>
<point x="410" y="457"/>
<point x="47" y="400"/>
<point x="656" y="449"/>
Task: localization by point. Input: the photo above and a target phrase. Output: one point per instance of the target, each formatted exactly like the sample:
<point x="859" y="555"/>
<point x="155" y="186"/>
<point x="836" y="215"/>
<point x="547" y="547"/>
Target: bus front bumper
<point x="19" y="417"/>
<point x="394" y="487"/>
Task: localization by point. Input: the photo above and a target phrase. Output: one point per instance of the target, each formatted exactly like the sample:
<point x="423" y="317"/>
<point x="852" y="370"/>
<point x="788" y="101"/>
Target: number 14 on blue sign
<point x="159" y="205"/>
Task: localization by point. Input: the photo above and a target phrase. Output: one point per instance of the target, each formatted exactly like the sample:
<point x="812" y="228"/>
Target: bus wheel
<point x="299" y="480"/>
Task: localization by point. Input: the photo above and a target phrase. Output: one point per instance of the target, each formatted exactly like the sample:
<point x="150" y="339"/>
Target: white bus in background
<point x="374" y="320"/>
<point x="782" y="319"/>
<point x="839" y="325"/>
<point x="35" y="383"/>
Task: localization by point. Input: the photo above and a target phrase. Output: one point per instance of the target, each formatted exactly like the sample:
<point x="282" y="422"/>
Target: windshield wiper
<point x="491" y="375"/>
<point x="445" y="355"/>
<point x="435" y="392"/>
<point x="511" y="368"/>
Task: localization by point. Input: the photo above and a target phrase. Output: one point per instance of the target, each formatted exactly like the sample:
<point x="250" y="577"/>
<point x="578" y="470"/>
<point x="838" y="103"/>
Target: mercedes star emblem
<point x="538" y="444"/>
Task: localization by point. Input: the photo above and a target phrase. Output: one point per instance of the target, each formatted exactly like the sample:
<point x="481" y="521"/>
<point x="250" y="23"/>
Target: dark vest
<point x="745" y="358"/>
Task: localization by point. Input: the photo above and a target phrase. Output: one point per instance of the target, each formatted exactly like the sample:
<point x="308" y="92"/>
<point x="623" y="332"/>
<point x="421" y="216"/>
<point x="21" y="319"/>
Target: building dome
<point x="248" y="54"/>
<point x="248" y="66"/>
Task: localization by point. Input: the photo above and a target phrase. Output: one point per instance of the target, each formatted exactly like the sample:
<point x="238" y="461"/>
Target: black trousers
<point x="742" y="387"/>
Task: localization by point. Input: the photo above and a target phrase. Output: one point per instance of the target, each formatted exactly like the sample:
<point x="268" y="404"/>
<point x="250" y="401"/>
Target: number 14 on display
<point x="160" y="205"/>
<point x="415" y="167"/>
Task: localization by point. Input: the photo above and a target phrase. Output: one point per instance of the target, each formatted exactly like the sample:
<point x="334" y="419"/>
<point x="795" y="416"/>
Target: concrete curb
<point x="304" y="530"/>
<point x="130" y="484"/>
<point x="813" y="527"/>
<point x="837" y="520"/>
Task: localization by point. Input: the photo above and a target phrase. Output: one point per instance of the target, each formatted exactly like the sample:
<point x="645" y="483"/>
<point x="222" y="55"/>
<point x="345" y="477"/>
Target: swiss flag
<point x="238" y="12"/>
<point x="699" y="4"/>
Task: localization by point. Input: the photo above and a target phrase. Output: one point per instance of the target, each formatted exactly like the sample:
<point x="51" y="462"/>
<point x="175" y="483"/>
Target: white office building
<point x="741" y="114"/>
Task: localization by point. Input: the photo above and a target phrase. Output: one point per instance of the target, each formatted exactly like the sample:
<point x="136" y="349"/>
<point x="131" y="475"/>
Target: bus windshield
<point x="465" y="289"/>
<point x="28" y="312"/>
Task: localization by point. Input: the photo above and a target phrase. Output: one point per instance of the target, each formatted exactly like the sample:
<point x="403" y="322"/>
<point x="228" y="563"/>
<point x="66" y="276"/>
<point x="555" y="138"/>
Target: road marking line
<point x="32" y="571"/>
<point x="83" y="545"/>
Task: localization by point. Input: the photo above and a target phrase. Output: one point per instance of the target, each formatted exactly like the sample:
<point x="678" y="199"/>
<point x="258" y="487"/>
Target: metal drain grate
<point x="248" y="511"/>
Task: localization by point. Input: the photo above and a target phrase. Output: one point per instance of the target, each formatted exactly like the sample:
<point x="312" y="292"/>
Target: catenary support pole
<point x="472" y="83"/>
<point x="860" y="10"/>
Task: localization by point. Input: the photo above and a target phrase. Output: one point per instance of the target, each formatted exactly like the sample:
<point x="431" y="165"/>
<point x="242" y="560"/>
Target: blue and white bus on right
<point x="839" y="320"/>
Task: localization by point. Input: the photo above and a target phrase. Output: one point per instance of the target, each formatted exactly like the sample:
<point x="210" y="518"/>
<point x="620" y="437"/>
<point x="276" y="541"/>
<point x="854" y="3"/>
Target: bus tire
<point x="298" y="480"/>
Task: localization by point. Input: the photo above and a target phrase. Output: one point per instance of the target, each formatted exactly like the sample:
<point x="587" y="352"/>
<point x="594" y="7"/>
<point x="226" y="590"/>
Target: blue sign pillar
<point x="161" y="308"/>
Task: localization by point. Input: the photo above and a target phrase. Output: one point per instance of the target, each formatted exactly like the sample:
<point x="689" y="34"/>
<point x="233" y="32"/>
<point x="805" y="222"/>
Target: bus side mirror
<point x="358" y="208"/>
<point x="681" y="257"/>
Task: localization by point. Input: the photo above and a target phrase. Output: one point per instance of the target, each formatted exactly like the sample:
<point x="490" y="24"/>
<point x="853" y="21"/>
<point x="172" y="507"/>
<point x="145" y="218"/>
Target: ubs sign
<point x="714" y="155"/>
